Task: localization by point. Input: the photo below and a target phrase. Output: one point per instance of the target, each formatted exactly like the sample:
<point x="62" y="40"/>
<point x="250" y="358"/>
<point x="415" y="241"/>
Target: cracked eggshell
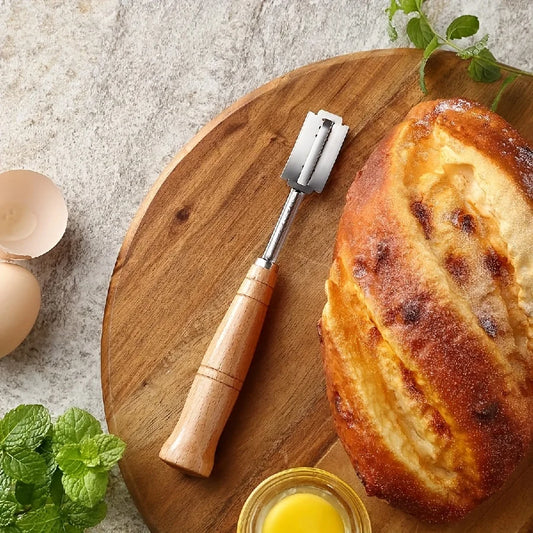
<point x="33" y="214"/>
<point x="20" y="300"/>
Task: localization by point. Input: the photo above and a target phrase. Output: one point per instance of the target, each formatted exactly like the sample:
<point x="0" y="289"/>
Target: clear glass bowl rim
<point x="266" y="490"/>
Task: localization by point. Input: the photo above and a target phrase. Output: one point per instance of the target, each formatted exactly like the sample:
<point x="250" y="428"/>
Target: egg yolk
<point x="303" y="513"/>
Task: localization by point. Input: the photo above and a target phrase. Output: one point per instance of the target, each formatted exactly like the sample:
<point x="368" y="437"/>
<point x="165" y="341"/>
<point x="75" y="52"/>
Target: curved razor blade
<point x="314" y="152"/>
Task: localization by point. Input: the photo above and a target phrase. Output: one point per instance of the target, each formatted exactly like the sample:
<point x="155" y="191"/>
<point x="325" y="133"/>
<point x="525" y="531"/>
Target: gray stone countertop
<point x="99" y="95"/>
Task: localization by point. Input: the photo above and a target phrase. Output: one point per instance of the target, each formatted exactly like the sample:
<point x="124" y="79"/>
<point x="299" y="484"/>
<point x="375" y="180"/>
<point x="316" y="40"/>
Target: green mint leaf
<point x="24" y="465"/>
<point x="24" y="427"/>
<point x="89" y="452"/>
<point x="43" y="520"/>
<point x="47" y="452"/>
<point x="70" y="460"/>
<point x="474" y="50"/>
<point x="430" y="48"/>
<point x="88" y="489"/>
<point x="6" y="484"/>
<point x="408" y="6"/>
<point x="7" y="512"/>
<point x="34" y="495"/>
<point x="507" y="81"/>
<point x="68" y="528"/>
<point x="463" y="26"/>
<point x="23" y="493"/>
<point x="82" y="517"/>
<point x="41" y="493"/>
<point x="57" y="492"/>
<point x="419" y="32"/>
<point x="75" y="426"/>
<point x="419" y="4"/>
<point x="110" y="450"/>
<point x="393" y="7"/>
<point x="481" y="67"/>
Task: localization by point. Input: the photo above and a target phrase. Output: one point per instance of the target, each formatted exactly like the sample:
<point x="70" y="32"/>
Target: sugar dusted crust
<point x="428" y="328"/>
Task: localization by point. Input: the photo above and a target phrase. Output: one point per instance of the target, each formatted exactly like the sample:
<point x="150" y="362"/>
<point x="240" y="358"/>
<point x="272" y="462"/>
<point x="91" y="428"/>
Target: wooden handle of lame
<point x="191" y="446"/>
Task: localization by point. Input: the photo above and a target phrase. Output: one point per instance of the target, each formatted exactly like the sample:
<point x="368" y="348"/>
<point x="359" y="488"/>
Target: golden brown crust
<point x="427" y="329"/>
<point x="473" y="124"/>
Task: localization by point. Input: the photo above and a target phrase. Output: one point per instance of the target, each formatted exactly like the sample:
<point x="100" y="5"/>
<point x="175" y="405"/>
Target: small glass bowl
<point x="307" y="480"/>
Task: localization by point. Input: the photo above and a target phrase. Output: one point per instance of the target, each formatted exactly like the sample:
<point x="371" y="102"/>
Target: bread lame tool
<point x="191" y="446"/>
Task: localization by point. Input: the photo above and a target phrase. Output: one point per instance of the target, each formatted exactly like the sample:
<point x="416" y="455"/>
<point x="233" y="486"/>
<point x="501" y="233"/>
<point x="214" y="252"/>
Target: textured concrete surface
<point x="99" y="95"/>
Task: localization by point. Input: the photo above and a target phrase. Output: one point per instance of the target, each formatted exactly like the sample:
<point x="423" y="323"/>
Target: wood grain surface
<point x="203" y="223"/>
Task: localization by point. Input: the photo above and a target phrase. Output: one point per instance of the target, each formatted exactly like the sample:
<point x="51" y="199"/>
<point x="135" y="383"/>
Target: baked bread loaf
<point x="427" y="330"/>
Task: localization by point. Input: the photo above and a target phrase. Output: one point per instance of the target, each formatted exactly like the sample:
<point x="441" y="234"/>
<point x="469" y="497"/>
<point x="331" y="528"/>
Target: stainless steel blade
<point x="307" y="170"/>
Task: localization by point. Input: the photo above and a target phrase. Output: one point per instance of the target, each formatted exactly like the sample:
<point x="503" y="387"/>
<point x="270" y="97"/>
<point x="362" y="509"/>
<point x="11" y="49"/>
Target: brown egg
<point x="33" y="214"/>
<point x="20" y="300"/>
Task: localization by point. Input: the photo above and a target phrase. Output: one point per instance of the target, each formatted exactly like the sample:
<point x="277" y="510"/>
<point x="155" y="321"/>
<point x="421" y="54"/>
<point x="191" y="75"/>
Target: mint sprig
<point x="53" y="477"/>
<point x="482" y="67"/>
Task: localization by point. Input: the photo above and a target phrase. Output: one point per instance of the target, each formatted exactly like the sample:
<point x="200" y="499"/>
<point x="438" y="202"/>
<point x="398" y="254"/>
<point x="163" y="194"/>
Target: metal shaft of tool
<point x="295" y="197"/>
<point x="281" y="229"/>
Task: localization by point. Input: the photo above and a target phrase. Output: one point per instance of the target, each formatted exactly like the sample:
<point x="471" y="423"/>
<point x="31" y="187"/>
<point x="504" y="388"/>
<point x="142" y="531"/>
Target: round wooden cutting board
<point x="202" y="225"/>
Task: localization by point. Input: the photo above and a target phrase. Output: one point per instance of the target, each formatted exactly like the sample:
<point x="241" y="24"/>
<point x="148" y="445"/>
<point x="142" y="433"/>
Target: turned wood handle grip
<point x="191" y="446"/>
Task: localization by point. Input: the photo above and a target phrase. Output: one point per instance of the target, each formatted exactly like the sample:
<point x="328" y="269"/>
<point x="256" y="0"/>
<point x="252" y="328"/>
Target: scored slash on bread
<point x="428" y="328"/>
